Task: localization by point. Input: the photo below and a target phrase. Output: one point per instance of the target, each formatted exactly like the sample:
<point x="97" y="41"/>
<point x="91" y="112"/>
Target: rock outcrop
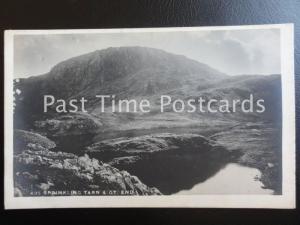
<point x="160" y="142"/>
<point x="44" y="172"/>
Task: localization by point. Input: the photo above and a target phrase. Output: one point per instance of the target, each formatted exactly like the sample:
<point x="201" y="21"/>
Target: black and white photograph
<point x="157" y="117"/>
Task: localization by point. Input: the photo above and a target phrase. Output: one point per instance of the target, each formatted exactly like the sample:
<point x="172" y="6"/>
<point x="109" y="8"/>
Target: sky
<point x="234" y="52"/>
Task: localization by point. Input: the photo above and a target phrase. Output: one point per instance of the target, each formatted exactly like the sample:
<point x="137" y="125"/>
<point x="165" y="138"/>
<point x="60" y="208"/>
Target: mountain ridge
<point x="129" y="72"/>
<point x="125" y="71"/>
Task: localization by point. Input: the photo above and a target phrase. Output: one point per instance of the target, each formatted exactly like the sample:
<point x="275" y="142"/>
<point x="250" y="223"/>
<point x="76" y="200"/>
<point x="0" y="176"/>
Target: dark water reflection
<point x="170" y="173"/>
<point x="73" y="143"/>
<point x="173" y="172"/>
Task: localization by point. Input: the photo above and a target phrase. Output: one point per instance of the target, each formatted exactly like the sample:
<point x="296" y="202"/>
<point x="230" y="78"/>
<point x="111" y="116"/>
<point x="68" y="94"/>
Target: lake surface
<point x="176" y="173"/>
<point x="232" y="179"/>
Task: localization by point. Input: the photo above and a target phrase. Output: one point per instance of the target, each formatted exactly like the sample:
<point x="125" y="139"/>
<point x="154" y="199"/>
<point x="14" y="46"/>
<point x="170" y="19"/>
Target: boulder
<point x="48" y="172"/>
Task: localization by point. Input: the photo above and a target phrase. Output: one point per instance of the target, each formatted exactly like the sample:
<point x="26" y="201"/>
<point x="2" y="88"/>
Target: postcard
<point x="150" y="117"/>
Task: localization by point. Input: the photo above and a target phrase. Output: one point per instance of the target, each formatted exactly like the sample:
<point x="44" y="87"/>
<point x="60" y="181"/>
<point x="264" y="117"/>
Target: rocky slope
<point x="25" y="139"/>
<point x="241" y="87"/>
<point x="149" y="144"/>
<point x="39" y="171"/>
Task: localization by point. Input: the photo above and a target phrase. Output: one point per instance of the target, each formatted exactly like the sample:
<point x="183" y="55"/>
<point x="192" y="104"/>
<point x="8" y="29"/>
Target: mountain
<point x="134" y="72"/>
<point x="132" y="69"/>
<point x="115" y="70"/>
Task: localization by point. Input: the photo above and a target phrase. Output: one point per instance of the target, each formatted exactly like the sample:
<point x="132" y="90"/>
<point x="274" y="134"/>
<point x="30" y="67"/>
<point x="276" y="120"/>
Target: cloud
<point x="263" y="48"/>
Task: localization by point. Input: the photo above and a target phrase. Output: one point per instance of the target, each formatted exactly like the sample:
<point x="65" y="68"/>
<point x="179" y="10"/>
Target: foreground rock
<point x="44" y="172"/>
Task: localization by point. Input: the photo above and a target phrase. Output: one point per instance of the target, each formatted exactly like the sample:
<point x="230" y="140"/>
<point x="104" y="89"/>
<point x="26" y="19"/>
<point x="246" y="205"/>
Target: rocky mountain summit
<point x="125" y="72"/>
